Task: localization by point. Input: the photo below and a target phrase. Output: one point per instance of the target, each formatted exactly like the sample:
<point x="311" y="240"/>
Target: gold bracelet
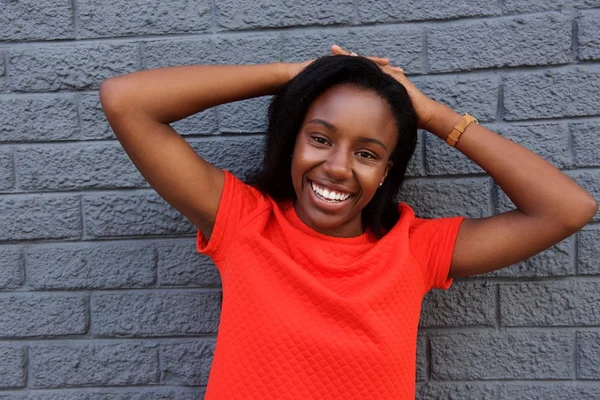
<point x="459" y="128"/>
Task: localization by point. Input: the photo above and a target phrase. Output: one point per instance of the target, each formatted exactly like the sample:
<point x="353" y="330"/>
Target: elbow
<point x="585" y="212"/>
<point x="109" y="96"/>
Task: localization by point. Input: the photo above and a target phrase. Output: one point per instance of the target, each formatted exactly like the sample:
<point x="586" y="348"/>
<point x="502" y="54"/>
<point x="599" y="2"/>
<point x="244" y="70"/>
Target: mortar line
<point x="570" y="144"/>
<point x="27" y="366"/>
<point x="575" y="357"/>
<point x="424" y="57"/>
<point x="574" y="40"/>
<point x="497" y="308"/>
<point x="356" y="15"/>
<point x="75" y="20"/>
<point x="428" y="357"/>
<point x="576" y="252"/>
<point x="214" y="16"/>
<point x="14" y="167"/>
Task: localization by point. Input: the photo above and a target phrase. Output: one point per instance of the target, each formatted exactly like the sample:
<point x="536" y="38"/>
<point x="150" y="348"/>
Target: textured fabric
<point x="308" y="316"/>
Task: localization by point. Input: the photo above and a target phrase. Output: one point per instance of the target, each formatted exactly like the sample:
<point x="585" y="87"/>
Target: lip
<point x="324" y="205"/>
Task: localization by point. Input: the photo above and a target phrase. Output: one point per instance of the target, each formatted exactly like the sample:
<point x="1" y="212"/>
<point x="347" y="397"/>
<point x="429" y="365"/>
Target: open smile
<point x="329" y="195"/>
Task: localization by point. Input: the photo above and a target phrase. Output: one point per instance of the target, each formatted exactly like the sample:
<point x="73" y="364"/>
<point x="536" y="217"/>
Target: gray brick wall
<point x="102" y="295"/>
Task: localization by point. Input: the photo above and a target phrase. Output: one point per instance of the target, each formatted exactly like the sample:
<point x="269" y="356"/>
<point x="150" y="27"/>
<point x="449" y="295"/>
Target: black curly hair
<point x="288" y="110"/>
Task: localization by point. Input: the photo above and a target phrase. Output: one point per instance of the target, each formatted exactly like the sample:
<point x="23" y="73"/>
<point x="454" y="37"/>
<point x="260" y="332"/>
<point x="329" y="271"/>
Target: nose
<point x="337" y="165"/>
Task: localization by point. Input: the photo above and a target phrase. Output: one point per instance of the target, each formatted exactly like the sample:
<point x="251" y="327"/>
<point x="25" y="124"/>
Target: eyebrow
<point x="334" y="129"/>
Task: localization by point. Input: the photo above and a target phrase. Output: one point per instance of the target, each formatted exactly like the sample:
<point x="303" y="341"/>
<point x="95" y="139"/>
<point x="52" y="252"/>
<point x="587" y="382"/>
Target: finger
<point x="380" y="60"/>
<point x="338" y="50"/>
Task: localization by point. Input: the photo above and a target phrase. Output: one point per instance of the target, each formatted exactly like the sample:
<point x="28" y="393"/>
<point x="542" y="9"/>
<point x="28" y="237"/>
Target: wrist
<point x="442" y="120"/>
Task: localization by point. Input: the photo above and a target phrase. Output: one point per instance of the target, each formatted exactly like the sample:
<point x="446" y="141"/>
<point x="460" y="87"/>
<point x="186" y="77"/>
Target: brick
<point x="30" y="20"/>
<point x="552" y="94"/>
<point x="39" y="217"/>
<point x="179" y="264"/>
<point x="563" y="303"/>
<point x="441" y="159"/>
<point x="29" y="119"/>
<point x="588" y="38"/>
<point x="151" y="393"/>
<point x="588" y="355"/>
<point x="161" y="313"/>
<point x="93" y="121"/>
<point x="464" y="304"/>
<point x="586" y="152"/>
<point x="518" y="6"/>
<point x="70" y="365"/>
<point x="464" y="391"/>
<point x="7" y="174"/>
<point x="406" y="10"/>
<point x="204" y="122"/>
<point x="552" y="391"/>
<point x="506" y="355"/>
<point x="73" y="67"/>
<point x="477" y="95"/>
<point x="421" y="357"/>
<point x="588" y="248"/>
<point x="550" y="141"/>
<point x="469" y="197"/>
<point x="76" y="166"/>
<point x="105" y="266"/>
<point x="244" y="116"/>
<point x="226" y="153"/>
<point x="248" y="14"/>
<point x="416" y="165"/>
<point x="507" y="42"/>
<point x="247" y="49"/>
<point x="30" y="315"/>
<point x="186" y="363"/>
<point x="12" y="367"/>
<point x="141" y="17"/>
<point x="113" y="215"/>
<point x="11" y="267"/>
<point x="402" y="45"/>
<point x="558" y="260"/>
<point x="588" y="179"/>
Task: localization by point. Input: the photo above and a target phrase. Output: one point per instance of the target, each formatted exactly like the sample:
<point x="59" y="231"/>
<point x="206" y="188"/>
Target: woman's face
<point x="340" y="157"/>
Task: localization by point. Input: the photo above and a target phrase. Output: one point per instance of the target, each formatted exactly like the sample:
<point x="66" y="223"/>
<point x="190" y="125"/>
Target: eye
<point x="319" y="139"/>
<point x="366" y="154"/>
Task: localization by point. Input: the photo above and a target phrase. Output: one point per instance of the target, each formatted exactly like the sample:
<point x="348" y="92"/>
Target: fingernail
<point x="336" y="46"/>
<point x="353" y="54"/>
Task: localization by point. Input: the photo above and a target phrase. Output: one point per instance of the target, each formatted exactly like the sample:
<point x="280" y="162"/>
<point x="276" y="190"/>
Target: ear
<point x="387" y="169"/>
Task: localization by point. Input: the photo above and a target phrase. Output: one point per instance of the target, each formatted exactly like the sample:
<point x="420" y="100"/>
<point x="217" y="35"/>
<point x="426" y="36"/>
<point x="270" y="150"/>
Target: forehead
<point x="354" y="110"/>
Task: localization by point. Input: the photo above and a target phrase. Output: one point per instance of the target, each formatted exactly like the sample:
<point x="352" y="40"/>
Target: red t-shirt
<point x="309" y="316"/>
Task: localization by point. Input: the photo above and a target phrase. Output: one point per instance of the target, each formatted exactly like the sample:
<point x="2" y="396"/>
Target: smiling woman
<point x="323" y="271"/>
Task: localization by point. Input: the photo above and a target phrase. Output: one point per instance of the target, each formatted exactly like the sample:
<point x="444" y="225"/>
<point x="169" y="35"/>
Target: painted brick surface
<point x="588" y="246"/>
<point x="141" y="17"/>
<point x="78" y="166"/>
<point x="589" y="38"/>
<point x="553" y="391"/>
<point x="74" y="365"/>
<point x="29" y="314"/>
<point x="467" y="391"/>
<point x="186" y="363"/>
<point x="102" y="293"/>
<point x="246" y="14"/>
<point x="464" y="304"/>
<point x="11" y="271"/>
<point x="179" y="264"/>
<point x="106" y="266"/>
<point x="469" y="197"/>
<point x="7" y="174"/>
<point x="550" y="304"/>
<point x="28" y="119"/>
<point x="406" y="10"/>
<point x="39" y="217"/>
<point x="507" y="355"/>
<point x="12" y="367"/>
<point x="588" y="351"/>
<point x="586" y="152"/>
<point x="500" y="43"/>
<point x="156" y="314"/>
<point x="73" y="67"/>
<point x="552" y="94"/>
<point x="402" y="45"/>
<point x="46" y="19"/>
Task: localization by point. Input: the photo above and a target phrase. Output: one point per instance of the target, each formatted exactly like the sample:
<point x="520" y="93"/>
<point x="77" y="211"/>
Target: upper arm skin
<point x="487" y="244"/>
<point x="169" y="164"/>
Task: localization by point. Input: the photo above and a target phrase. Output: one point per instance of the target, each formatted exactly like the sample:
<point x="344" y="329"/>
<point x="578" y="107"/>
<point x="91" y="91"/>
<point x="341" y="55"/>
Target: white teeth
<point x="329" y="195"/>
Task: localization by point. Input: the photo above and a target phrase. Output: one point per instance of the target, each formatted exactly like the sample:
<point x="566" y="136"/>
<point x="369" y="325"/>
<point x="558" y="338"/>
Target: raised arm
<point x="140" y="106"/>
<point x="550" y="205"/>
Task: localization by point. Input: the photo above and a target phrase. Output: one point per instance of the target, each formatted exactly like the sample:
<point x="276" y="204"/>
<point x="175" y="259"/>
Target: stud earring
<point x="380" y="183"/>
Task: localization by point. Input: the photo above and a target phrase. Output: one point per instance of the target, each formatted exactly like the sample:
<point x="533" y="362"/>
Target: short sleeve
<point x="432" y="243"/>
<point x="240" y="204"/>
